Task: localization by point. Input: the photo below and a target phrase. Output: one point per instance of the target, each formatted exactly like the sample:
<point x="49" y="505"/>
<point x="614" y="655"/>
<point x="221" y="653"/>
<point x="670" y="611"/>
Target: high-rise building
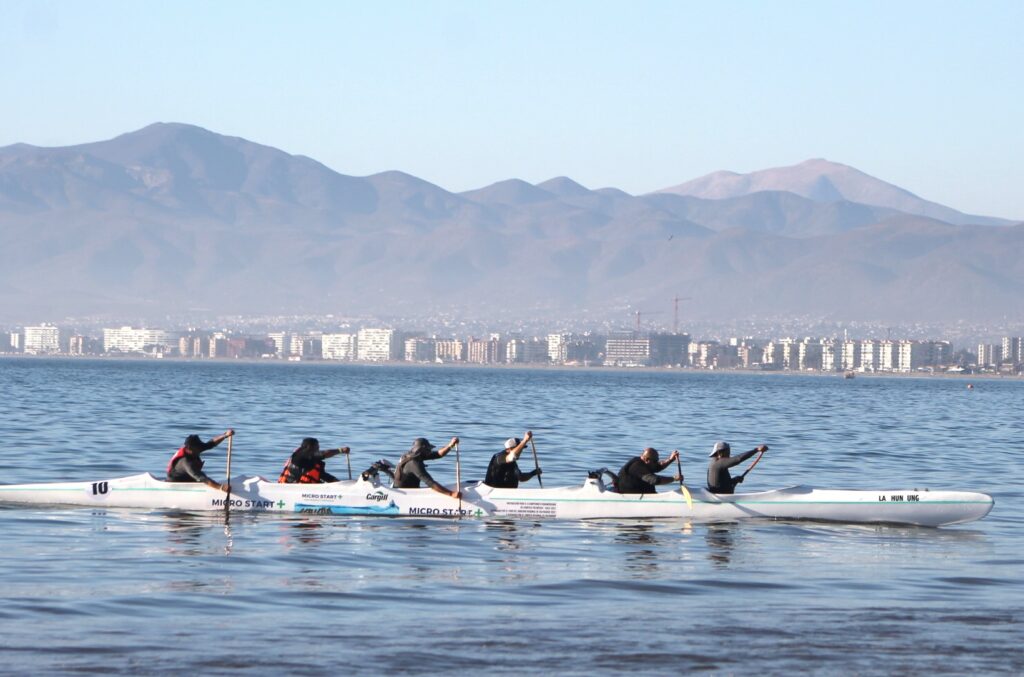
<point x="420" y="349"/>
<point x="808" y="354"/>
<point x="42" y="340"/>
<point x="282" y="343"/>
<point x="338" y="346"/>
<point x="831" y="354"/>
<point x="851" y="359"/>
<point x="989" y="355"/>
<point x="888" y="355"/>
<point x="375" y="345"/>
<point x="130" y="340"/>
<point x="449" y="350"/>
<point x="1012" y="349"/>
<point x="870" y="355"/>
<point x="557" y="348"/>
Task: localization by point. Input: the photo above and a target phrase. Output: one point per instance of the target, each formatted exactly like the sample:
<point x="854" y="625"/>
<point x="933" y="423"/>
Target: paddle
<point x="756" y="461"/>
<point x="682" y="487"/>
<point x="348" y="460"/>
<point x="458" y="477"/>
<point x="227" y="499"/>
<point x="536" y="463"/>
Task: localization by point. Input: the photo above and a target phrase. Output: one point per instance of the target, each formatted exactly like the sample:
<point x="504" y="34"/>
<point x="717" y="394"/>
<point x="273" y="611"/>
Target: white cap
<point x="512" y="443"/>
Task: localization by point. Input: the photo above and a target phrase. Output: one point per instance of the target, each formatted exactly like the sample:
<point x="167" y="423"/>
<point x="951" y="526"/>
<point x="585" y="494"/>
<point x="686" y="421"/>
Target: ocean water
<point x="135" y="592"/>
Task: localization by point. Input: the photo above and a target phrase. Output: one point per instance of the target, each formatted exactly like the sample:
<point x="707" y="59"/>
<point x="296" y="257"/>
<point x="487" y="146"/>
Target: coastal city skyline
<point x="623" y="348"/>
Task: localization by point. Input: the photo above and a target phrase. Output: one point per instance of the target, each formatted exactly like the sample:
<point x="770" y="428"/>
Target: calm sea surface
<point x="154" y="592"/>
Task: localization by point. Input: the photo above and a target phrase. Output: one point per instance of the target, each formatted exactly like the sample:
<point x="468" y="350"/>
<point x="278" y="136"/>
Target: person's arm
<point x="448" y="447"/>
<point x="670" y="460"/>
<point x="736" y="460"/>
<point x="210" y="444"/>
<point x="513" y="454"/>
<point x="525" y="476"/>
<point x="199" y="476"/>
<point x="417" y="469"/>
<point x="324" y="455"/>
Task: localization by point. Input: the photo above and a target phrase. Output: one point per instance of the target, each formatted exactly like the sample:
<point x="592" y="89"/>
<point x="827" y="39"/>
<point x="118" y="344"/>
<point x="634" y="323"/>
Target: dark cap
<point x="193" y="443"/>
<point x="421" y="445"/>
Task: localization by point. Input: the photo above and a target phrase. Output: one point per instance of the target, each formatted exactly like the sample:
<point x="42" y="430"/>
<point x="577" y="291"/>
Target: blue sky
<point x="636" y="95"/>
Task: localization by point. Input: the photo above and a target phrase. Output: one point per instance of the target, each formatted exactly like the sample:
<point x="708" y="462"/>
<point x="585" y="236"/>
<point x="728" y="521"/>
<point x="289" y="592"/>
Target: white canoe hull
<point x="589" y="501"/>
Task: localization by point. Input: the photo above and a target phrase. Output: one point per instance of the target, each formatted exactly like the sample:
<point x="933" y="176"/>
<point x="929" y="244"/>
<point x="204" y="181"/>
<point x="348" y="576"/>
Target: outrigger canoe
<point x="591" y="500"/>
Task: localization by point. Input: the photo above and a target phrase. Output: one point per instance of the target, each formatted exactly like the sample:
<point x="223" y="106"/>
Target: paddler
<point x="411" y="470"/>
<point x="719" y="479"/>
<point x="306" y="465"/>
<point x="187" y="466"/>
<point x="503" y="471"/>
<point x="640" y="474"/>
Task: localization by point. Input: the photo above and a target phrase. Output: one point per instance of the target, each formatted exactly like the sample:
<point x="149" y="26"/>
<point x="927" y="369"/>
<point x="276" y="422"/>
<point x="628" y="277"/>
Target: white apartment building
<point x="831" y="355"/>
<point x="374" y="345"/>
<point x="282" y="341"/>
<point x="808" y="354"/>
<point x="449" y="350"/>
<point x="851" y="354"/>
<point x="888" y="355"/>
<point x="1013" y="349"/>
<point x="870" y="355"/>
<point x="989" y="355"/>
<point x="912" y="356"/>
<point x="339" y="346"/>
<point x="42" y="340"/>
<point x="558" y="347"/>
<point x="130" y="340"/>
<point x="420" y="349"/>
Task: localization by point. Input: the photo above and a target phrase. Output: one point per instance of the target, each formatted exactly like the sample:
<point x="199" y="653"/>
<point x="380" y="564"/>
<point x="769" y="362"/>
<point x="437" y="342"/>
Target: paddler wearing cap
<point x="410" y="470"/>
<point x="640" y="474"/>
<point x="719" y="479"/>
<point x="503" y="471"/>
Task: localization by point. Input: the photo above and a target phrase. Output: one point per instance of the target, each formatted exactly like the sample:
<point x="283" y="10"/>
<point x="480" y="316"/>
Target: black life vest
<point x="406" y="480"/>
<point x="502" y="475"/>
<point x="292" y="474"/>
<point x="630" y="484"/>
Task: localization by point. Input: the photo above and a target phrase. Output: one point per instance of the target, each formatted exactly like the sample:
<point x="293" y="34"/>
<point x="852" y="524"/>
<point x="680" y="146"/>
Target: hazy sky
<point x="636" y="95"/>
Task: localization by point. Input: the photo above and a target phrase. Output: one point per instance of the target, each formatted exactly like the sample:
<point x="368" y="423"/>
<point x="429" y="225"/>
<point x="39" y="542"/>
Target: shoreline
<point x="401" y="364"/>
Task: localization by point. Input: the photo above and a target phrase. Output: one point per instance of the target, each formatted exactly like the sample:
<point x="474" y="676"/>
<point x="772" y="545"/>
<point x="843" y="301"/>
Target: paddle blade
<point x="687" y="496"/>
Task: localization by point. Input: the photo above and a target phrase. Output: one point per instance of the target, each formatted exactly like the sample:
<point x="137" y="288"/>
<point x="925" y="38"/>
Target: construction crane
<point x="675" y="322"/>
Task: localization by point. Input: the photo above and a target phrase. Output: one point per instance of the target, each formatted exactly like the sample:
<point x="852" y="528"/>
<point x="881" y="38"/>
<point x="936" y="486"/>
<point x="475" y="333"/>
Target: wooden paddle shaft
<point x="536" y="463"/>
<point x="458" y="477"/>
<point x="227" y="500"/>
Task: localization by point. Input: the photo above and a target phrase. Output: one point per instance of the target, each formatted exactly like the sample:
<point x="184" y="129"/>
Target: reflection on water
<point x="640" y="547"/>
<point x="720" y="541"/>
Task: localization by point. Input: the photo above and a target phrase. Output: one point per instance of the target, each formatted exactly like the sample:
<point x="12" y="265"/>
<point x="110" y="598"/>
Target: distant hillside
<point x="824" y="181"/>
<point x="174" y="218"/>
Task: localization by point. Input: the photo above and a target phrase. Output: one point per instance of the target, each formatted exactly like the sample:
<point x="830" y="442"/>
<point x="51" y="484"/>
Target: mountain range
<point x="174" y="219"/>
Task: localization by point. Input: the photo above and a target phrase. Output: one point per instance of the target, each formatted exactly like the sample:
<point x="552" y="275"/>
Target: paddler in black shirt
<point x="306" y="465"/>
<point x="719" y="479"/>
<point x="639" y="475"/>
<point x="503" y="471"/>
<point x="411" y="470"/>
<point x="186" y="466"/>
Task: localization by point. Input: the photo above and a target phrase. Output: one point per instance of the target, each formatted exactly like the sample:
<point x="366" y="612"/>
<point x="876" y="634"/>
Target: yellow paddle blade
<point x="686" y="495"/>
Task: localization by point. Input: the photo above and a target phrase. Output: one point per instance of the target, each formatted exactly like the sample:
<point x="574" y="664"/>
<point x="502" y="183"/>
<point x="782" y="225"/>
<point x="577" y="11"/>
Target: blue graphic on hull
<point x="389" y="509"/>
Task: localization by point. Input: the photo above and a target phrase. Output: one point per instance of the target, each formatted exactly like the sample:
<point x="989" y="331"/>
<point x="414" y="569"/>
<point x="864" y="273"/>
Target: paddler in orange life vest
<point x="186" y="466"/>
<point x="306" y="465"/>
